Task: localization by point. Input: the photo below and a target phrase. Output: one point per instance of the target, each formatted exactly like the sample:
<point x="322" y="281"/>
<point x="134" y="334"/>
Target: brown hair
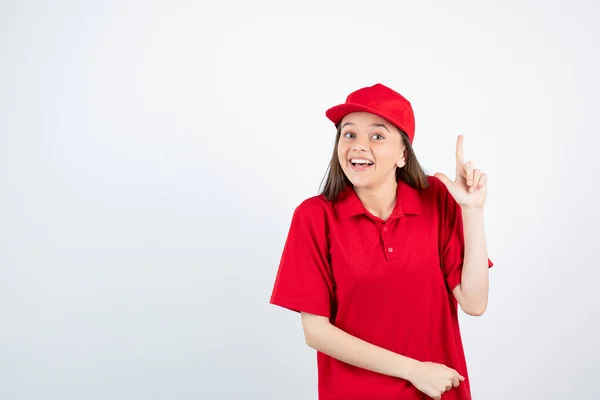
<point x="412" y="173"/>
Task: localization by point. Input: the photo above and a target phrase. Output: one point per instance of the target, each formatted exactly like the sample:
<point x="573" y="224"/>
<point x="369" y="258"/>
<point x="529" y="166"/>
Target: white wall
<point x="151" y="155"/>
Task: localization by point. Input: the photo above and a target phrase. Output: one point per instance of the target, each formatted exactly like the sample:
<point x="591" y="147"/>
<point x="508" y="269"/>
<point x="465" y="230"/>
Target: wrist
<point x="408" y="369"/>
<point x="472" y="210"/>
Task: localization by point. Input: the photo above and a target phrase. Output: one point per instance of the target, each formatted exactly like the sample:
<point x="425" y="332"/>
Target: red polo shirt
<point x="386" y="282"/>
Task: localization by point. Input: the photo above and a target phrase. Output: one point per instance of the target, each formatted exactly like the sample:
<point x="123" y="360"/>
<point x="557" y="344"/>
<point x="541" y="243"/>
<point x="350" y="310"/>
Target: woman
<point x="378" y="263"/>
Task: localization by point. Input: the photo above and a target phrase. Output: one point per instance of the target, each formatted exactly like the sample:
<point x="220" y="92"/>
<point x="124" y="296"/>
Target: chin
<point x="360" y="181"/>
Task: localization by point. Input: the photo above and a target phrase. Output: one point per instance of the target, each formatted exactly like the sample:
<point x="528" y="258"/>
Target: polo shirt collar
<point x="408" y="202"/>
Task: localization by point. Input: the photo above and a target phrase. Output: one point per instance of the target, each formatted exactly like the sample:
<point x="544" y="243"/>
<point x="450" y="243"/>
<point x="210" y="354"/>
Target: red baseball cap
<point x="379" y="100"/>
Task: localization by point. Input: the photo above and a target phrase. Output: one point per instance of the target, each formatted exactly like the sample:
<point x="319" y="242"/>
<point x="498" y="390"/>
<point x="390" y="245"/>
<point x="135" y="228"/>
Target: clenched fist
<point x="434" y="379"/>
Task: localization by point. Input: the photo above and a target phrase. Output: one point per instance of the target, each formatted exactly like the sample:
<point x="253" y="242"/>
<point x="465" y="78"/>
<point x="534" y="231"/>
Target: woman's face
<point x="370" y="149"/>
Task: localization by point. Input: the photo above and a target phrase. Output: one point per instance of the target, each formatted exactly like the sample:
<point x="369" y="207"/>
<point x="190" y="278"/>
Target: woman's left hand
<point x="469" y="189"/>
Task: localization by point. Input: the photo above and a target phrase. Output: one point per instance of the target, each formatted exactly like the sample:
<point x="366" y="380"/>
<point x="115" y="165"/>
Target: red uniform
<point x="387" y="282"/>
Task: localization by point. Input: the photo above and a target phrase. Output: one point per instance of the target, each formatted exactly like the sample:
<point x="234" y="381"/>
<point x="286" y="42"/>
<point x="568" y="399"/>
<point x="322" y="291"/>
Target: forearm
<point x="336" y="343"/>
<point x="475" y="273"/>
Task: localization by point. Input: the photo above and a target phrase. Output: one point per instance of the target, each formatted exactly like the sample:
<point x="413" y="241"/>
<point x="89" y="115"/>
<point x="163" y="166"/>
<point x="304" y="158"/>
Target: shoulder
<point x="317" y="208"/>
<point x="311" y="218"/>
<point x="444" y="203"/>
<point x="435" y="199"/>
<point x="435" y="185"/>
<point x="437" y="189"/>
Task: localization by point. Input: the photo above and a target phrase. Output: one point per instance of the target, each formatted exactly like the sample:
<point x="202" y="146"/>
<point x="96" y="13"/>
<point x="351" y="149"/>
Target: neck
<point x="379" y="200"/>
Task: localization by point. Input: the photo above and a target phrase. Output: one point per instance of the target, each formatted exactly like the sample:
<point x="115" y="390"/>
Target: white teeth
<point x="360" y="161"/>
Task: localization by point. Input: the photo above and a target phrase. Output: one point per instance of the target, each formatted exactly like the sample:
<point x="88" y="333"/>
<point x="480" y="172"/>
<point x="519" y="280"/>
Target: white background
<point x="151" y="155"/>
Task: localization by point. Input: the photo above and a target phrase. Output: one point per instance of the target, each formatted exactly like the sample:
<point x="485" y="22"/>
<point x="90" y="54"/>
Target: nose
<point x="361" y="144"/>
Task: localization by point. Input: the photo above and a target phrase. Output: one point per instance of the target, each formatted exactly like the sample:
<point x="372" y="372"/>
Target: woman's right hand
<point x="434" y="379"/>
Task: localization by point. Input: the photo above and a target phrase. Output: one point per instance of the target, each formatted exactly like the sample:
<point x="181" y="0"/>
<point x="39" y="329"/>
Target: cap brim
<point x="337" y="113"/>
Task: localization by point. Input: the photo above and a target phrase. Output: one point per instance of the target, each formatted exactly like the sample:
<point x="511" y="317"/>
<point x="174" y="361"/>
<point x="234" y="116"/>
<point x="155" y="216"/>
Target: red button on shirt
<point x="392" y="290"/>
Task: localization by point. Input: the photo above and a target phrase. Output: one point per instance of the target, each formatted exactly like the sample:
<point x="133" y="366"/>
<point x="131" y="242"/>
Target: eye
<point x="348" y="135"/>
<point x="377" y="136"/>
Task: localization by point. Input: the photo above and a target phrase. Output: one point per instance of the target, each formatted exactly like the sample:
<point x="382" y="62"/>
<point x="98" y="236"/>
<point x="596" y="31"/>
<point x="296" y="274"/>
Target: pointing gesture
<point x="469" y="189"/>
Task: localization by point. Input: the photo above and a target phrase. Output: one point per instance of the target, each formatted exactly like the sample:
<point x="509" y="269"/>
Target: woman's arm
<point x="323" y="336"/>
<point x="469" y="190"/>
<point x="430" y="378"/>
<point x="472" y="292"/>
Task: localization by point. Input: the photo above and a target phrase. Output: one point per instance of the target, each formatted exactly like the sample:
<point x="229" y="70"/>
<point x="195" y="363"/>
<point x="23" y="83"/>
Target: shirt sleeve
<point x="304" y="280"/>
<point x="453" y="241"/>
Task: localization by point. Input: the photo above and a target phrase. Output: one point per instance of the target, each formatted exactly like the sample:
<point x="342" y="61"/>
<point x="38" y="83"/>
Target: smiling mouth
<point x="360" y="164"/>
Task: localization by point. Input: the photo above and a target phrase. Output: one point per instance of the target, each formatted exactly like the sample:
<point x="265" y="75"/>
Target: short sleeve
<point x="453" y="241"/>
<point x="304" y="280"/>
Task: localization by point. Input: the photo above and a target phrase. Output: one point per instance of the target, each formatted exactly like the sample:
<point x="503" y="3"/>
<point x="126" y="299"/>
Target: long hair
<point x="336" y="181"/>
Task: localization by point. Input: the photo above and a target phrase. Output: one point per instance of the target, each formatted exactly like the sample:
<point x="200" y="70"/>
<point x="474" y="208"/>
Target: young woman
<point x="378" y="263"/>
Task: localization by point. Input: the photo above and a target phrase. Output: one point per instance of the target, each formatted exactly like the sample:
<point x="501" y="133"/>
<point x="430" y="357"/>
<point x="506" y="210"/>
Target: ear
<point x="402" y="160"/>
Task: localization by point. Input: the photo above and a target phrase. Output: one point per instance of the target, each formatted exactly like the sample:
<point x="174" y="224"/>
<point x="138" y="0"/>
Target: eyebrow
<point x="376" y="125"/>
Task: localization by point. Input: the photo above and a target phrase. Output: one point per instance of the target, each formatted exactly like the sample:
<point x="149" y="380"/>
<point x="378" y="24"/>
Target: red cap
<point x="379" y="100"/>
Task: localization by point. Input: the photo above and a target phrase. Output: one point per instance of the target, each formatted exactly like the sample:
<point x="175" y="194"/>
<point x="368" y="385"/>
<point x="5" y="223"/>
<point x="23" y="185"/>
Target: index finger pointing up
<point x="459" y="152"/>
